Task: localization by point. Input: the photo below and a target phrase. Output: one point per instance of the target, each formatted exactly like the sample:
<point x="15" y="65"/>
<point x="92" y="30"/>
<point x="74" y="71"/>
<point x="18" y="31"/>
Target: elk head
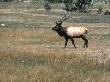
<point x="57" y="26"/>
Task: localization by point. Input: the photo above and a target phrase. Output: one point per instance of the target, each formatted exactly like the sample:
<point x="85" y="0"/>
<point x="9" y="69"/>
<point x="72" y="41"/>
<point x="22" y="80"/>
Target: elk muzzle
<point x="53" y="29"/>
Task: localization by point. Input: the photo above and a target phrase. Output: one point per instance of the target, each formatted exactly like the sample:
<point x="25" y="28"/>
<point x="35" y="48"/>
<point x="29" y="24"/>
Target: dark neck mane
<point x="62" y="31"/>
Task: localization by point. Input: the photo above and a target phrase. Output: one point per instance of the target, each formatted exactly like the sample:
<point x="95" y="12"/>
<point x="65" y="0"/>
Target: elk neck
<point x="62" y="31"/>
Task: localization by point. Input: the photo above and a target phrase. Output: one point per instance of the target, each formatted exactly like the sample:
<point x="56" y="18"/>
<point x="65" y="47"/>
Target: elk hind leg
<point x="86" y="41"/>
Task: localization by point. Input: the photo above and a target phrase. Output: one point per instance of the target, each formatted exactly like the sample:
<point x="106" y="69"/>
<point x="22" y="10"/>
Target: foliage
<point x="100" y="10"/>
<point x="47" y="6"/>
<point x="107" y="12"/>
<point x="72" y="5"/>
<point x="5" y="0"/>
<point x="68" y="1"/>
<point x="54" y="1"/>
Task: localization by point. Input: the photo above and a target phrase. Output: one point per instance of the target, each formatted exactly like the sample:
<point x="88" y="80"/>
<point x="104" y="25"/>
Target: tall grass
<point x="36" y="55"/>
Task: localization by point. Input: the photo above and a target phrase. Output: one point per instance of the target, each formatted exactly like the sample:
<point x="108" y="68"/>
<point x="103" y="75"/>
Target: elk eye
<point x="56" y="26"/>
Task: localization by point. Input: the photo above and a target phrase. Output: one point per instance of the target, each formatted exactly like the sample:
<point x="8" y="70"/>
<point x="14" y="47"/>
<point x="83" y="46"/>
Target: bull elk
<point x="71" y="33"/>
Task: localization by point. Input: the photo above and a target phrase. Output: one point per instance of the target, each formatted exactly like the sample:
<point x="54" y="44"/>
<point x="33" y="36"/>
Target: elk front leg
<point x="66" y="41"/>
<point x="73" y="42"/>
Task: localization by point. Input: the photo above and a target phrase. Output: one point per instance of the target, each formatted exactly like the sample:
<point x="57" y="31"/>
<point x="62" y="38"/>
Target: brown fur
<point x="71" y="32"/>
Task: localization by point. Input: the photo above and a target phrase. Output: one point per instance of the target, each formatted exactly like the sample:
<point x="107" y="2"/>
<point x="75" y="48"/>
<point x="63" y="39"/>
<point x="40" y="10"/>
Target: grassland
<point x="31" y="52"/>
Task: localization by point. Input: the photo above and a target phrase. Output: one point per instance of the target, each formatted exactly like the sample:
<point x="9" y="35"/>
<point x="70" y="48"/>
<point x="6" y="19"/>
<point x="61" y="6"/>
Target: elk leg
<point x="73" y="42"/>
<point x="86" y="41"/>
<point x="66" y="41"/>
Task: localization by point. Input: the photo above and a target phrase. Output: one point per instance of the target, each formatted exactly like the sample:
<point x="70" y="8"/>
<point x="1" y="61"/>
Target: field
<point x="31" y="52"/>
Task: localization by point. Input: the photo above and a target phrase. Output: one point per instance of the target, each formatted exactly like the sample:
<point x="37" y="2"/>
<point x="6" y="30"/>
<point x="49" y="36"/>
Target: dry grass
<point x="36" y="55"/>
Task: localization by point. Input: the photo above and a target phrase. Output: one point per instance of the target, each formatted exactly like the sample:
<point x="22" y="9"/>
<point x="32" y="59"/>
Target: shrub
<point x="47" y="6"/>
<point x="107" y="12"/>
<point x="100" y="10"/>
<point x="80" y="5"/>
<point x="54" y="1"/>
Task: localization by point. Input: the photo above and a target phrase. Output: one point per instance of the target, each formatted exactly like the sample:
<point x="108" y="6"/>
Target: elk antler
<point x="55" y="22"/>
<point x="65" y="17"/>
<point x="58" y="22"/>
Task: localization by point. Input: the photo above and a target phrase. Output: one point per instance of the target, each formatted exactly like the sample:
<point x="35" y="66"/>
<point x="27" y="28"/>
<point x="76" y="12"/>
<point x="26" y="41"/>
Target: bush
<point x="75" y="5"/>
<point x="100" y="10"/>
<point x="107" y="12"/>
<point x="54" y="1"/>
<point x="47" y="6"/>
<point x="70" y="7"/>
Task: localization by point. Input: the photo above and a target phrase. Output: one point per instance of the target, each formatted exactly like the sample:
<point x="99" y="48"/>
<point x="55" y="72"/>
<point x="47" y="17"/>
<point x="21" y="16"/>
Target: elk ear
<point x="60" y="23"/>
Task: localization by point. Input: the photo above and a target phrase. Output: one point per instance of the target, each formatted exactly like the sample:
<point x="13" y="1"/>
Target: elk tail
<point x="86" y="30"/>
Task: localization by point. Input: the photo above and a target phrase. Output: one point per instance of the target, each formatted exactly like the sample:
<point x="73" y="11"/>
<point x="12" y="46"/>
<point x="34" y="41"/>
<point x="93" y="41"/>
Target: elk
<point x="71" y="33"/>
